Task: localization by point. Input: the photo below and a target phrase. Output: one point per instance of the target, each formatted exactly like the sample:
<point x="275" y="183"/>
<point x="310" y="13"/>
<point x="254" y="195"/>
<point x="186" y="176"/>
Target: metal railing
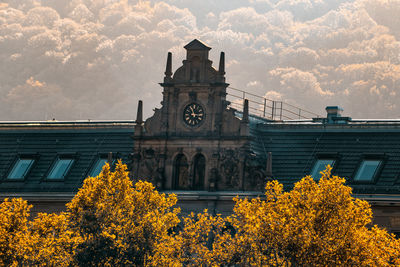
<point x="267" y="108"/>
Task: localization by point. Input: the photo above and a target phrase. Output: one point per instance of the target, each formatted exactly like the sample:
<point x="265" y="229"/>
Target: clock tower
<point x="194" y="141"/>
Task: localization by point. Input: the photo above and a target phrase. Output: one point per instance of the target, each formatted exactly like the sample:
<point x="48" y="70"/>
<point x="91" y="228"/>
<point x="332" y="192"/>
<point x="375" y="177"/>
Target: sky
<point x="81" y="59"/>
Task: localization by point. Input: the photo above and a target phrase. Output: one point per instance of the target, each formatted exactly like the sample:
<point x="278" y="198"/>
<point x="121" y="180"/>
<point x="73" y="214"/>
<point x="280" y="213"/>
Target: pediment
<point x="196" y="45"/>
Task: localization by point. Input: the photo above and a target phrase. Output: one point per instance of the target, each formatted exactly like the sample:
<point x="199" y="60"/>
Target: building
<point x="46" y="162"/>
<point x="199" y="147"/>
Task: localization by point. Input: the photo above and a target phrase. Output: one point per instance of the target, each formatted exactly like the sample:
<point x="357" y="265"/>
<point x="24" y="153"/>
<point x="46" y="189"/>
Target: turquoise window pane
<point x="60" y="168"/>
<point x="20" y="169"/>
<point x="98" y="167"/>
<point x="320" y="166"/>
<point x="367" y="170"/>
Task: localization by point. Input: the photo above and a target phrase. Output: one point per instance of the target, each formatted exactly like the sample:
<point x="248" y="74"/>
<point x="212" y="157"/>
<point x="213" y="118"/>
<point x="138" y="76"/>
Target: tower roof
<point x="196" y="45"/>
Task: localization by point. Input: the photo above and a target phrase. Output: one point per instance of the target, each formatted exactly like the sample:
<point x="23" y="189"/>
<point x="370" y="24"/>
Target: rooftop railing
<point x="267" y="108"/>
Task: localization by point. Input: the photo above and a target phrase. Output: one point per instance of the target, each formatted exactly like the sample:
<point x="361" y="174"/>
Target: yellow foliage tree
<point x="50" y="241"/>
<point x="119" y="223"/>
<point x="44" y="241"/>
<point x="315" y="224"/>
<point x="110" y="222"/>
<point x="14" y="215"/>
<point x="198" y="243"/>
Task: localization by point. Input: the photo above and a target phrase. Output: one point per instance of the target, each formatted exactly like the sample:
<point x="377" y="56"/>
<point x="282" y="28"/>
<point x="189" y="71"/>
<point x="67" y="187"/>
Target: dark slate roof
<point x="295" y="147"/>
<point x="85" y="141"/>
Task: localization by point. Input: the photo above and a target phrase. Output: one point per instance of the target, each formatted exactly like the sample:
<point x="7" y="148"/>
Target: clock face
<point x="193" y="114"/>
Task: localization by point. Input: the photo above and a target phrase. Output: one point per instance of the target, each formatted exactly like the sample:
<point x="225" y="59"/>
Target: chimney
<point x="334" y="111"/>
<point x="168" y="68"/>
<point x="334" y="115"/>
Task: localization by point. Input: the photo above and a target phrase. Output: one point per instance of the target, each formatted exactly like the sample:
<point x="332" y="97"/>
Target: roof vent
<point x="334" y="115"/>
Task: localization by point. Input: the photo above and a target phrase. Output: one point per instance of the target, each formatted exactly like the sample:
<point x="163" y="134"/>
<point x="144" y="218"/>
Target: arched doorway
<point x="199" y="170"/>
<point x="181" y="173"/>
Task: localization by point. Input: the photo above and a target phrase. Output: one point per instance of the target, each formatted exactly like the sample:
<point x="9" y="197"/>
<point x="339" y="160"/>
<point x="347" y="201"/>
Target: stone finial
<point x="244" y="124"/>
<point x="168" y="68"/>
<point x="139" y="115"/>
<point x="221" y="68"/>
<point x="268" y="170"/>
<point x="245" y="111"/>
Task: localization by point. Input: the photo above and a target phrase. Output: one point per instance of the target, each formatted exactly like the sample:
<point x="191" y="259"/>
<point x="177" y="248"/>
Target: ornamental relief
<point x="148" y="167"/>
<point x="226" y="170"/>
<point x="229" y="169"/>
<point x="255" y="175"/>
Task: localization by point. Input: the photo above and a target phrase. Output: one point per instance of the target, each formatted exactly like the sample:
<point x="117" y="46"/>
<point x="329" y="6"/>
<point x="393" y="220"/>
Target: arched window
<point x="181" y="173"/>
<point x="199" y="172"/>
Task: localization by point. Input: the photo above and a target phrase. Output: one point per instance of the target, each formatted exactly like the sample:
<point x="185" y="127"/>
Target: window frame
<point x="369" y="157"/>
<point x="71" y="156"/>
<point x="93" y="166"/>
<point x="320" y="159"/>
<point x="17" y="158"/>
<point x="96" y="157"/>
<point x="335" y="156"/>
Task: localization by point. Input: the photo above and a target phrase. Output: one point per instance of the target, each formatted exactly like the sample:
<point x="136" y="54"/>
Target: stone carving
<point x="230" y="168"/>
<point x="254" y="173"/>
<point x="148" y="166"/>
<point x="182" y="180"/>
<point x="160" y="178"/>
<point x="199" y="165"/>
<point x="131" y="165"/>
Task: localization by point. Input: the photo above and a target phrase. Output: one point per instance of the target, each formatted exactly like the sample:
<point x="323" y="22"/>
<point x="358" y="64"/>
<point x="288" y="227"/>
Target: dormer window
<point x="60" y="168"/>
<point x="367" y="170"/>
<point x="97" y="167"/>
<point x="21" y="168"/>
<point x="319" y="166"/>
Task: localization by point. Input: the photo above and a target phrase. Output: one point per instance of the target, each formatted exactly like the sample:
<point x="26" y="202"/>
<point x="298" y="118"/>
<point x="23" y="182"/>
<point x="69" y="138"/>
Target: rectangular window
<point x="320" y="166"/>
<point x="21" y="168"/>
<point x="367" y="170"/>
<point x="60" y="168"/>
<point x="98" y="166"/>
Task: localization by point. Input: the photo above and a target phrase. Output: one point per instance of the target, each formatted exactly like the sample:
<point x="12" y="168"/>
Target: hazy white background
<point x="81" y="59"/>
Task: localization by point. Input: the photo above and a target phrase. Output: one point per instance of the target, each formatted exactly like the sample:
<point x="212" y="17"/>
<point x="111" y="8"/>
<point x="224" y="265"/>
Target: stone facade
<point x="194" y="142"/>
